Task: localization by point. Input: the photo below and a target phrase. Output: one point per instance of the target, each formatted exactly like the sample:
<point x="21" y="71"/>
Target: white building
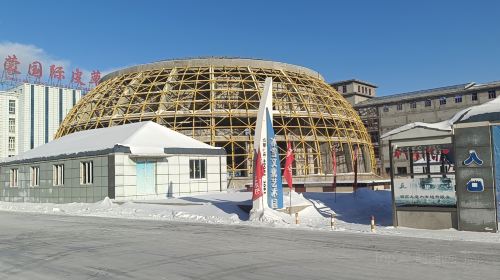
<point x="8" y="123"/>
<point x="135" y="161"/>
<point x="31" y="114"/>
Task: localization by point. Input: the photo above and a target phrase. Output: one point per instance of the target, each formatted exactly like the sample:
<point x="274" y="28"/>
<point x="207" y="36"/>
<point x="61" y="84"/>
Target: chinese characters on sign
<point x="436" y="191"/>
<point x="12" y="65"/>
<point x="35" y="71"/>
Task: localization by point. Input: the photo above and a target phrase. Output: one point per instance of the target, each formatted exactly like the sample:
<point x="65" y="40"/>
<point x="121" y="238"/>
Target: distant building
<point x="31" y="114"/>
<point x="355" y="91"/>
<point x="135" y="161"/>
<point x="385" y="113"/>
<point x="8" y="123"/>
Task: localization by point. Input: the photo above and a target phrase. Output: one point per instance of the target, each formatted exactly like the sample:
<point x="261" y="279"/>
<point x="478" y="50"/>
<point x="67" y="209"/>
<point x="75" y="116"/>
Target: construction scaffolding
<point x="215" y="100"/>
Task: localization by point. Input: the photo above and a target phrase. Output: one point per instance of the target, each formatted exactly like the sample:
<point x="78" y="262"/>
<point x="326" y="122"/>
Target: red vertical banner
<point x="288" y="165"/>
<point x="257" y="177"/>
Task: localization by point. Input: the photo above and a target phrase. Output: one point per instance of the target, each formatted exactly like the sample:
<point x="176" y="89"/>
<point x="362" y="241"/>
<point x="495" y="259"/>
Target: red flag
<point x="334" y="163"/>
<point x="397" y="153"/>
<point x="257" y="177"/>
<point x="288" y="165"/>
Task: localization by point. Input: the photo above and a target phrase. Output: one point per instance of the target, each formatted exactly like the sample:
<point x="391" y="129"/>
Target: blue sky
<point x="399" y="45"/>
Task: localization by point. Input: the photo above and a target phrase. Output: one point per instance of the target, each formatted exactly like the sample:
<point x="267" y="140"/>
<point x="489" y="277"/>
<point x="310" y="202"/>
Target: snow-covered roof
<point x="441" y="126"/>
<point x="142" y="138"/>
<point x="489" y="111"/>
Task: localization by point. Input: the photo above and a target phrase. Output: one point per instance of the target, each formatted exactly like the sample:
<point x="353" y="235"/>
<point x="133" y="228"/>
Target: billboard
<point x="424" y="191"/>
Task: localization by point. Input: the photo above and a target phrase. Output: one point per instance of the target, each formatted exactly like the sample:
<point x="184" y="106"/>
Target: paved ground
<point x="62" y="247"/>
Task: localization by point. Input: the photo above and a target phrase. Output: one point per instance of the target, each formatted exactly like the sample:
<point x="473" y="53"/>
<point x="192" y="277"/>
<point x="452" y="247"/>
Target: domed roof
<point x="215" y="100"/>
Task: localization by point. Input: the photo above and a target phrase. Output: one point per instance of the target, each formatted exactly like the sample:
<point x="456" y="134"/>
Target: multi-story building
<point x="31" y="114"/>
<point x="8" y="123"/>
<point x="385" y="113"/>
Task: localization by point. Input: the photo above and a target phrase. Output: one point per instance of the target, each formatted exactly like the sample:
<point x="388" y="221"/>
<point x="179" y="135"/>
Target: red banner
<point x="257" y="178"/>
<point x="288" y="165"/>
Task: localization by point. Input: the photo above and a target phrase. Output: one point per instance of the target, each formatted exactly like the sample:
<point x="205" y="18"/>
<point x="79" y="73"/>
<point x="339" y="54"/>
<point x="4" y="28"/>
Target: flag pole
<point x="355" y="185"/>
<point x="334" y="169"/>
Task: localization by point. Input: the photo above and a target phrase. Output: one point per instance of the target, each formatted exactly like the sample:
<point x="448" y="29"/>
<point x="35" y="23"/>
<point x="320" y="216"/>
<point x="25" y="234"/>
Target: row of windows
<point x="86" y="175"/>
<point x="197" y="170"/>
<point x="365" y="90"/>
<point x="361" y="89"/>
<point x="442" y="101"/>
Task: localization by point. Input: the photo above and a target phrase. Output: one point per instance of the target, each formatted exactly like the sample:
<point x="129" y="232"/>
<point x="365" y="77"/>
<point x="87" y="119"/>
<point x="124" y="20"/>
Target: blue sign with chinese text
<point x="275" y="187"/>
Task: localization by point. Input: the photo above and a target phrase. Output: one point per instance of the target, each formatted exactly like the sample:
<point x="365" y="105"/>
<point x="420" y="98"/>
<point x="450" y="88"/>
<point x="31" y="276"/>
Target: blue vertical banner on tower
<point x="275" y="187"/>
<point x="495" y="131"/>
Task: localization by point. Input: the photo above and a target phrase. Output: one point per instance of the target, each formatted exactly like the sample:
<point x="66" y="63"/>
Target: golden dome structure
<point x="215" y="100"/>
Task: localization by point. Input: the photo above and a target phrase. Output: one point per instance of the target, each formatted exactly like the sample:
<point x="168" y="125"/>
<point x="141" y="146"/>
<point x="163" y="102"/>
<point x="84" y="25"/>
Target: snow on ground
<point x="352" y="212"/>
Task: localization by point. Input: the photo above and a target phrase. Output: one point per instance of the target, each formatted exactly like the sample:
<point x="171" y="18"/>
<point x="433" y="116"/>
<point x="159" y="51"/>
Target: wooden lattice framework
<point x="216" y="101"/>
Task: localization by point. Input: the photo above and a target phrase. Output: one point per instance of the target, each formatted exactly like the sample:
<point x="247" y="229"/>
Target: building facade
<point x="31" y="115"/>
<point x="462" y="190"/>
<point x="9" y="112"/>
<point x="385" y="113"/>
<point x="130" y="162"/>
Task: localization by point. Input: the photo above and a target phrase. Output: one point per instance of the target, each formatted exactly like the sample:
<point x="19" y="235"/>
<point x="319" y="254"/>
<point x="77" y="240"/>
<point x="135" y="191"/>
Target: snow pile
<point x="269" y="216"/>
<point x="351" y="211"/>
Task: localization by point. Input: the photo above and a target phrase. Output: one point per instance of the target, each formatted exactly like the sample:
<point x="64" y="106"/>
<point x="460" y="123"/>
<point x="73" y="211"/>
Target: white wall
<point x="4" y="123"/>
<point x="172" y="177"/>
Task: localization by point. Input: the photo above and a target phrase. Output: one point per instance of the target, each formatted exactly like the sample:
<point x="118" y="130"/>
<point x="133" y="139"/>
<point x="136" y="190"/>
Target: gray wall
<point x="71" y="191"/>
<point x="436" y="218"/>
<point x="476" y="210"/>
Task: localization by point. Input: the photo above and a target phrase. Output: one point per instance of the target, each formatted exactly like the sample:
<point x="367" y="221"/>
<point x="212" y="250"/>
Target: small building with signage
<point x="454" y="177"/>
<point x="128" y="162"/>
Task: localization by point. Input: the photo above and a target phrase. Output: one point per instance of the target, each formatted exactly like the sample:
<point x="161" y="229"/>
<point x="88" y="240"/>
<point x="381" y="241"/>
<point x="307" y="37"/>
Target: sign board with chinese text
<point x="424" y="191"/>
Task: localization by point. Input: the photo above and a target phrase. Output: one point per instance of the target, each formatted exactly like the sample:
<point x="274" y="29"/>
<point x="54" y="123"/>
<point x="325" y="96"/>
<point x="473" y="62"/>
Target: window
<point x="399" y="107"/>
<point x="359" y="88"/>
<point x="442" y="101"/>
<point x="13" y="177"/>
<point x="197" y="168"/>
<point x="58" y="175"/>
<point x="492" y="94"/>
<point x="12" y="125"/>
<point x="413" y="105"/>
<point x="458" y="99"/>
<point x="402" y="171"/>
<point x="386" y="108"/>
<point x="86" y="173"/>
<point x="344" y="89"/>
<point x="12" y="106"/>
<point x="473" y="96"/>
<point x="370" y="91"/>
<point x="12" y="144"/>
<point x="34" y="176"/>
<point x="428" y="103"/>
